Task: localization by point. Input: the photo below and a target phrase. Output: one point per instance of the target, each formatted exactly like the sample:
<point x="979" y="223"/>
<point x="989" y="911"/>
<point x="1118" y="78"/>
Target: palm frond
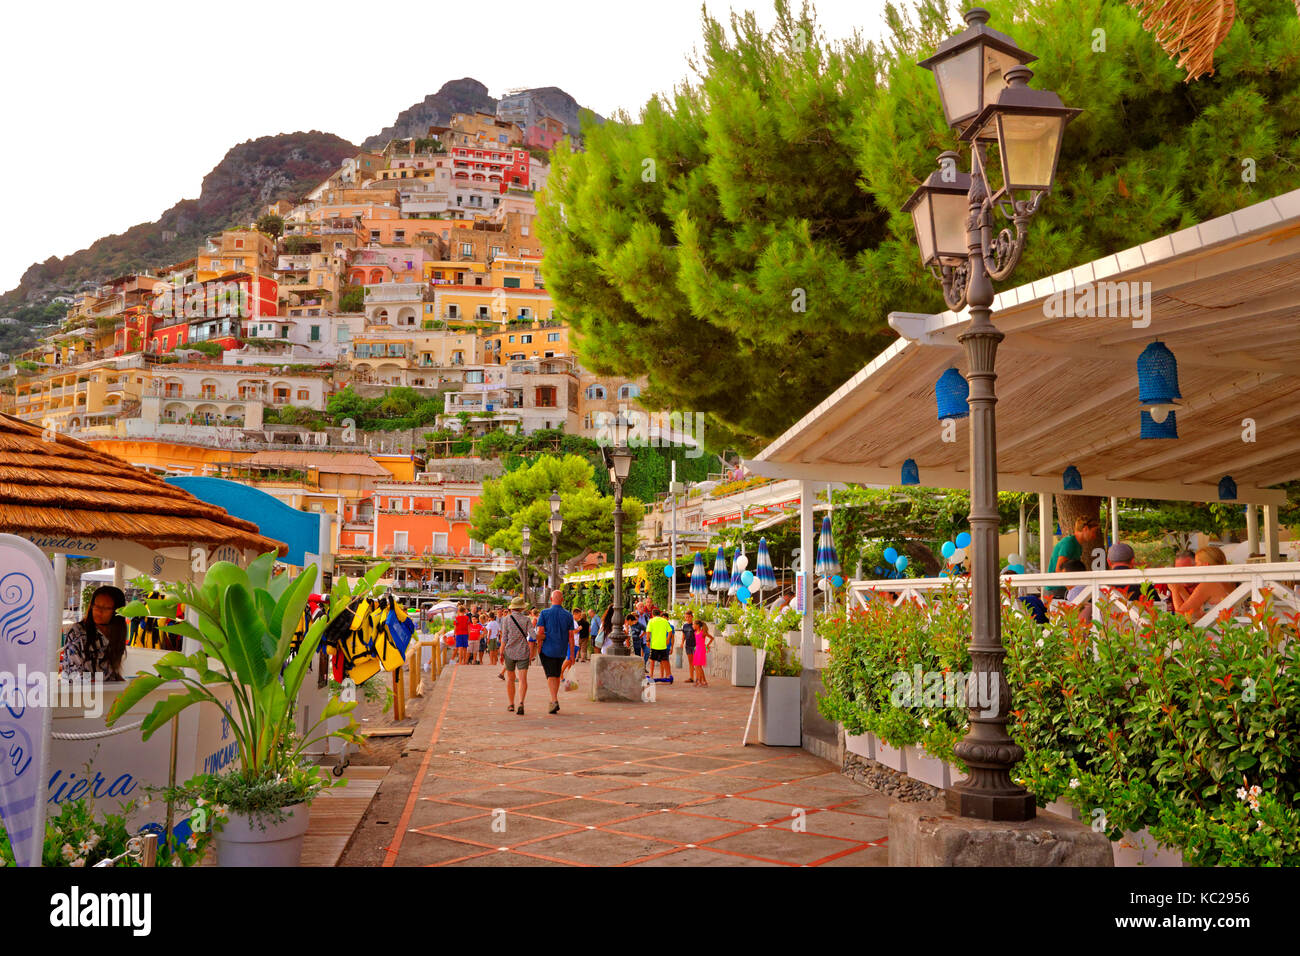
<point x="1190" y="30"/>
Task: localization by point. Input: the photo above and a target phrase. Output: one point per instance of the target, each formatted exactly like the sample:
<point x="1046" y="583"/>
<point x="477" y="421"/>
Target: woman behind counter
<point x="97" y="644"/>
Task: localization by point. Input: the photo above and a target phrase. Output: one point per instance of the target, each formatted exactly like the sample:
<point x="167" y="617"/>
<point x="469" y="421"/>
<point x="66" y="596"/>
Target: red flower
<point x="1225" y="682"/>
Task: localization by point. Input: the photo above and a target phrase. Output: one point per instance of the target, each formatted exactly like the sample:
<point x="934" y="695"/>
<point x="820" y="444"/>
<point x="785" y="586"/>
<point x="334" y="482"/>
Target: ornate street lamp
<point x="557" y="522"/>
<point x="619" y="462"/>
<point x="523" y="566"/>
<point x="983" y="85"/>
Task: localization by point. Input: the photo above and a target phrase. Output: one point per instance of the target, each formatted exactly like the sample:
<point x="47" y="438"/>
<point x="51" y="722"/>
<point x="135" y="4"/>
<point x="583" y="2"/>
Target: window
<point x="629" y="391"/>
<point x="439" y="540"/>
<point x="399" y="541"/>
<point x="284" y="331"/>
<point x="462" y="506"/>
<point x="511" y="282"/>
<point x="545" y="396"/>
<point x="394" y="504"/>
<point x="523" y="230"/>
<point x="495" y="250"/>
<point x="474" y="377"/>
<point x="374" y="235"/>
<point x="512" y="338"/>
<point x="552" y="336"/>
<point x="453" y="311"/>
<point x="523" y="252"/>
<point x="525" y="339"/>
<point x="476" y="548"/>
<point x="363" y="540"/>
<point x="549" y="355"/>
<point x="315" y="333"/>
<point x="303" y="395"/>
<point x="595" y="391"/>
<point x="239" y="243"/>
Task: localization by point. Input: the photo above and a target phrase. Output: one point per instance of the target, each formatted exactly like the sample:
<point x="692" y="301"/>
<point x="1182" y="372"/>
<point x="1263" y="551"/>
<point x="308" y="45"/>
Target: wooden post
<point x="399" y="696"/>
<point x="1252" y="529"/>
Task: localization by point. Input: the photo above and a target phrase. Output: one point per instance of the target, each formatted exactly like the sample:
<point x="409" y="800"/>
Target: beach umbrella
<point x="699" y="580"/>
<point x="764" y="574"/>
<point x="828" y="564"/>
<point x="721" y="576"/>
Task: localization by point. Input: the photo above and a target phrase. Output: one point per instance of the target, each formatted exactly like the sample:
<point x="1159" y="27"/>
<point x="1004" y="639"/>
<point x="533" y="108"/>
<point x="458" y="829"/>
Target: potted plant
<point x="744" y="659"/>
<point x="779" y="714"/>
<point x="246" y="622"/>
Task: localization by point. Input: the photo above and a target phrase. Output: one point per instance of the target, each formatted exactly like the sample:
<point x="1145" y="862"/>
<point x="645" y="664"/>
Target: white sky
<point x="112" y="112"/>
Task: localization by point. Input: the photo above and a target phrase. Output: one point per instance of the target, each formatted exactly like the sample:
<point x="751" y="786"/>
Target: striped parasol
<point x="764" y="574"/>
<point x="699" y="579"/>
<point x="721" y="576"/>
<point x="735" y="573"/>
<point x="828" y="563"/>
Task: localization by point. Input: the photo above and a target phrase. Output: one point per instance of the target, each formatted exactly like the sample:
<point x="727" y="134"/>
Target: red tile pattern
<point x="608" y="784"/>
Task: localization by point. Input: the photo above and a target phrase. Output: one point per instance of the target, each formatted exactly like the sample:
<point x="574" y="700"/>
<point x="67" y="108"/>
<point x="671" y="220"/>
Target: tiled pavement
<point x="608" y="784"/>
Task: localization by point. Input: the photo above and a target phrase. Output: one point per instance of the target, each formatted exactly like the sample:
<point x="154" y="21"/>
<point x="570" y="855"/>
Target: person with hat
<point x="518" y="648"/>
<point x="97" y="643"/>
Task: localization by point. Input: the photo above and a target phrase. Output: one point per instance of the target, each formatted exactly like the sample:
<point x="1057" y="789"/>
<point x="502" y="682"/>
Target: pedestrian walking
<point x="688" y="643"/>
<point x="703" y="644"/>
<point x="659" y="630"/>
<point x="584" y="634"/>
<point x="475" y="641"/>
<point x="460" y="628"/>
<point x="518" y="646"/>
<point x="494" y="635"/>
<point x="555" y="633"/>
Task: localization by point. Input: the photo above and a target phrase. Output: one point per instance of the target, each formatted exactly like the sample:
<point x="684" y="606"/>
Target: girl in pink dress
<point x="703" y="641"/>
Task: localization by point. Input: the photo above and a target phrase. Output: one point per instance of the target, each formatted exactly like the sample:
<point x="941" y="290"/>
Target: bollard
<point x="399" y="696"/>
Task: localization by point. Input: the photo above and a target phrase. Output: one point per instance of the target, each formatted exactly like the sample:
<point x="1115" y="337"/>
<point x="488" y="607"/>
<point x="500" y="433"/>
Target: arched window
<point x="629" y="391"/>
<point x="376" y="276"/>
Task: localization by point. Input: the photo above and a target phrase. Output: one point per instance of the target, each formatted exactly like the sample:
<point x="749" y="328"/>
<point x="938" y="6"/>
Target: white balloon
<point x="822" y="584"/>
<point x="742" y="562"/>
<point x="1015" y="559"/>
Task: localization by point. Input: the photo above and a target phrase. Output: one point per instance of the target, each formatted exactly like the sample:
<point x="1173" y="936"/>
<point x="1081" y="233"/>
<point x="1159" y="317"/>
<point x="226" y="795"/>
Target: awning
<point x="1224" y="297"/>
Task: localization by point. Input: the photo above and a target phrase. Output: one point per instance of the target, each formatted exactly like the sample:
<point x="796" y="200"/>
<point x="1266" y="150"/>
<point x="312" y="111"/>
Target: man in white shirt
<point x="494" y="635"/>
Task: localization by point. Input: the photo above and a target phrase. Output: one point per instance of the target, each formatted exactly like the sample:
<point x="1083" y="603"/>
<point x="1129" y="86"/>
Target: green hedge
<point x="1155" y="724"/>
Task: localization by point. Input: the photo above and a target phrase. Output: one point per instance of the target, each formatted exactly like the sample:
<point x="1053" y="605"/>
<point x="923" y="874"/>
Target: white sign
<point x="29" y="627"/>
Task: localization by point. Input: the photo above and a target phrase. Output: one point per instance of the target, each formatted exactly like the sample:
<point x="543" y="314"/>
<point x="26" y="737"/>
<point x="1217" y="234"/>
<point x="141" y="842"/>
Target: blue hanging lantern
<point x="1227" y="489"/>
<point x="1157" y="375"/>
<point x="1072" y="480"/>
<point x="910" y="474"/>
<point x="1166" y="428"/>
<point x="950" y="395"/>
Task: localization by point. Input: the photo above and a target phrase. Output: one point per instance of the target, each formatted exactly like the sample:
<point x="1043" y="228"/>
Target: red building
<point x="497" y="165"/>
<point x="209" y="311"/>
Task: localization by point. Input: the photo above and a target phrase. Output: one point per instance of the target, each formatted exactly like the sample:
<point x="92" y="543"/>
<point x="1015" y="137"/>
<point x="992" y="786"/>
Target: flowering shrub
<point x="1136" y="723"/>
<point x="76" y="837"/>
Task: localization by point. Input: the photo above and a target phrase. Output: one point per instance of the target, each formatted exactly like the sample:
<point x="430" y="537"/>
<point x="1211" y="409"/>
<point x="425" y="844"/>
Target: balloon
<point x="879" y="570"/>
<point x="961" y="554"/>
<point x="669" y="570"/>
<point x="891" y="555"/>
<point x="821" y="584"/>
<point x="837" y="581"/>
<point x="901" y="563"/>
<point x="963" y="540"/>
<point x="742" y="595"/>
<point x="747" y="578"/>
<point x="1015" y="559"/>
<point x="742" y="562"/>
<point x="1018" y="568"/>
<point x="943" y="574"/>
<point x="947" y="549"/>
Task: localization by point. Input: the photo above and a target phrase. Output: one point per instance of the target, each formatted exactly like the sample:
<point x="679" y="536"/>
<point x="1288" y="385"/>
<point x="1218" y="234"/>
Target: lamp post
<point x="619" y="461"/>
<point x="523" y="566"/>
<point x="982" y="80"/>
<point x="557" y="522"/>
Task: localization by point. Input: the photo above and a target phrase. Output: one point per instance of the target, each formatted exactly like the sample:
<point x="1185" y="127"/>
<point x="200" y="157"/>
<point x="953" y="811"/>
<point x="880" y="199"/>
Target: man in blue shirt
<point x="556" y="630"/>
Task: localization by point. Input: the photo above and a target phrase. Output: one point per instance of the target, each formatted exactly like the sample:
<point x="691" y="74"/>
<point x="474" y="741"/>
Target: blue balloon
<point x="747" y="578"/>
<point x="669" y="570"/>
<point x="742" y="594"/>
<point x="879" y="569"/>
<point x="963" y="540"/>
<point x="948" y="549"/>
<point x="837" y="581"/>
<point x="1018" y="568"/>
<point x="901" y="563"/>
<point x="943" y="574"/>
<point x="891" y="555"/>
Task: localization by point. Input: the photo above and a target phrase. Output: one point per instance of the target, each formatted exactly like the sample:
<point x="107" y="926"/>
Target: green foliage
<point x="246" y="622"/>
<point x="398" y="409"/>
<point x="270" y="225"/>
<point x="520" y="497"/>
<point x="295" y="415"/>
<point x="1153" y="722"/>
<point x="77" y="837"/>
<point x="785" y="166"/>
<point x="210" y="349"/>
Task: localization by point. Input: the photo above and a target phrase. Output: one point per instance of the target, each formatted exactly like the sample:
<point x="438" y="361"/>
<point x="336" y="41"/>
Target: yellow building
<point x="83" y="396"/>
<point x="236" y="250"/>
<point x="525" y="342"/>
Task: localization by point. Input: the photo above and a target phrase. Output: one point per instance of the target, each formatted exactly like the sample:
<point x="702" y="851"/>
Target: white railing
<point x="1247" y="582"/>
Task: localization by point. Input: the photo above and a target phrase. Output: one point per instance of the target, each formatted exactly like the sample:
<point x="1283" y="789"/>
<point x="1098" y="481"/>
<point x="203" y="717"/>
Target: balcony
<point x="399" y="552"/>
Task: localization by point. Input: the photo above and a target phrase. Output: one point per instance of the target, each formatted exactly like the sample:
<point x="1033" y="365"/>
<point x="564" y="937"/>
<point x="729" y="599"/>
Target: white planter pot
<point x="794" y="639"/>
<point x="921" y="766"/>
<point x="242" y="842"/>
<point x="864" y="745"/>
<point x="1141" y="849"/>
<point x="744" y="666"/>
<point x="778" y="710"/>
<point x="891" y="757"/>
<point x="1062" y="809"/>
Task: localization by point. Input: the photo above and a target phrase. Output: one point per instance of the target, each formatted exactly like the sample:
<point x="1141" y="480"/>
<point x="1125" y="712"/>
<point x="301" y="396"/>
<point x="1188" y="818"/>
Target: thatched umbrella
<point x="52" y="486"/>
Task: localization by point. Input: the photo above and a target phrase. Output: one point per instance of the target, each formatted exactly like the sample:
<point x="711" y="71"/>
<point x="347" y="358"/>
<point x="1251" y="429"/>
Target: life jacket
<point x="147" y="632"/>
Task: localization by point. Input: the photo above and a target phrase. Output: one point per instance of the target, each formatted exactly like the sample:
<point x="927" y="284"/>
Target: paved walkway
<point x="651" y="784"/>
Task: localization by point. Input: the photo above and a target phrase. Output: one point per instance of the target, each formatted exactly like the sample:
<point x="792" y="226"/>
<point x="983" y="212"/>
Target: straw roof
<point x="66" y="487"/>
